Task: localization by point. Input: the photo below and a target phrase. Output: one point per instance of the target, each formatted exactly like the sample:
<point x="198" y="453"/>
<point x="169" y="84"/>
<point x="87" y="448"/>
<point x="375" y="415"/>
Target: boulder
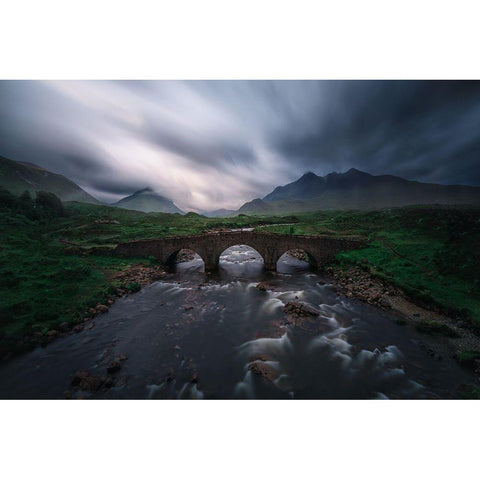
<point x="264" y="370"/>
<point x="64" y="326"/>
<point x="101" y="308"/>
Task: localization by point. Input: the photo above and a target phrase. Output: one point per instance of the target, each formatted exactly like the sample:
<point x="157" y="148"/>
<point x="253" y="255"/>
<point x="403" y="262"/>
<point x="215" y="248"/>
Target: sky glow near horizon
<point x="218" y="144"/>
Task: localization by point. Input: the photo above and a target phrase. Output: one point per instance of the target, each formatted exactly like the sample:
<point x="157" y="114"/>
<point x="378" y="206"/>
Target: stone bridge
<point x="210" y="246"/>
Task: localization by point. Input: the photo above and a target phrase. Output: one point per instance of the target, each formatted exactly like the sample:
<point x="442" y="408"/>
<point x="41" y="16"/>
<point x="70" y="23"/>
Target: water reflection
<point x="295" y="261"/>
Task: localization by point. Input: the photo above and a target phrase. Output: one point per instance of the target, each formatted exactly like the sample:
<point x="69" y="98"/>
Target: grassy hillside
<point x="18" y="177"/>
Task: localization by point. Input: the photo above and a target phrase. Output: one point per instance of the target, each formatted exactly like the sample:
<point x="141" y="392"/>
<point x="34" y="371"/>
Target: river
<point x="194" y="335"/>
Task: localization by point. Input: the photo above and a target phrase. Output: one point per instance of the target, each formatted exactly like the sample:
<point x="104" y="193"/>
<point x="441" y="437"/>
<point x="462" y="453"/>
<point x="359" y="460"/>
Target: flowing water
<point x="195" y="335"/>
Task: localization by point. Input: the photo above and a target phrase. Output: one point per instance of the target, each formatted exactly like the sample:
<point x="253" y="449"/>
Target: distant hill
<point x="147" y="200"/>
<point x="222" y="212"/>
<point x="359" y="190"/>
<point x="20" y="176"/>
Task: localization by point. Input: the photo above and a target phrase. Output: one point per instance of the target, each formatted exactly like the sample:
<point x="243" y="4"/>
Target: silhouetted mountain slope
<point x="20" y="176"/>
<point x="359" y="190"/>
<point x="255" y="206"/>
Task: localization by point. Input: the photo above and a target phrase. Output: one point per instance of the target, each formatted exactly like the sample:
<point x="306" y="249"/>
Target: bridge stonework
<point x="210" y="246"/>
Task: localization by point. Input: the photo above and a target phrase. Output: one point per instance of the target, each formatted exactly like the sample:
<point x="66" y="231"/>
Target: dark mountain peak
<point x="144" y="190"/>
<point x="354" y="172"/>
<point x="355" y="189"/>
<point x="349" y="179"/>
<point x="147" y="200"/>
<point x="308" y="175"/>
<point x="350" y="173"/>
<point x="307" y="185"/>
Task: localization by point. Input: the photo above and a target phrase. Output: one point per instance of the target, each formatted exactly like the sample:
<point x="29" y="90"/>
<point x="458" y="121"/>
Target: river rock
<point x="264" y="370"/>
<point x="300" y="309"/>
<point x="114" y="366"/>
<point x="64" y="326"/>
<point x="101" y="308"/>
<point x="84" y="381"/>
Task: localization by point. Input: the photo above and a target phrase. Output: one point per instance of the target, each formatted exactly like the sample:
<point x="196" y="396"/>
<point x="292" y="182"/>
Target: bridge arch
<point x="172" y="259"/>
<point x="299" y="253"/>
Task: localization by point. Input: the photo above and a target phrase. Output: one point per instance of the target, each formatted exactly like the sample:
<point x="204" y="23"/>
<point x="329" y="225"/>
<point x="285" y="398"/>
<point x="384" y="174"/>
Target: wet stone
<point x="301" y="309"/>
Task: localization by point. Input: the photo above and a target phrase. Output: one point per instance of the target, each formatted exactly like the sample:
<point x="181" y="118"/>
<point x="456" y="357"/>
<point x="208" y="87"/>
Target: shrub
<point x="49" y="205"/>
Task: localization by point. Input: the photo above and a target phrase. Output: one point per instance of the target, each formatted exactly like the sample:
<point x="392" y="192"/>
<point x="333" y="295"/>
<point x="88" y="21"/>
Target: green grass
<point x="471" y="393"/>
<point x="48" y="276"/>
<point x="468" y="357"/>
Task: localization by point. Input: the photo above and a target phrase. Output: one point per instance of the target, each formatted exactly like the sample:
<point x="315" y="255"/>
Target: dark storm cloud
<point x="212" y="144"/>
<point x="422" y="130"/>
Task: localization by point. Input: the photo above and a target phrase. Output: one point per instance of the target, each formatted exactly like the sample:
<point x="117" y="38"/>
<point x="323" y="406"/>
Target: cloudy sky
<point x="218" y="144"/>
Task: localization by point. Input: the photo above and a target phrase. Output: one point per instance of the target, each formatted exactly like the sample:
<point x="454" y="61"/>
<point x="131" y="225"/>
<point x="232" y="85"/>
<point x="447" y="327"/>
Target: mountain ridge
<point x="358" y="190"/>
<point x="20" y="176"/>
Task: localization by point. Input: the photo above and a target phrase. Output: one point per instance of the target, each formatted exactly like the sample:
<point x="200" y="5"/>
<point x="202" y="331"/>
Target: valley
<point x="58" y="273"/>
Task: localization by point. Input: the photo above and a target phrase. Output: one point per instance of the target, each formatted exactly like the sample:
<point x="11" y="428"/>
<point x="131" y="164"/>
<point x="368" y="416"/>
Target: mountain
<point x="147" y="200"/>
<point x="20" y="176"/>
<point x="255" y="206"/>
<point x="359" y="190"/>
<point x="307" y="186"/>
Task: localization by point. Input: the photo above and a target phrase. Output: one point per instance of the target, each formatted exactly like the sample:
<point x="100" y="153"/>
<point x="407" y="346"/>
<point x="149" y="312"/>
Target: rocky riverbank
<point x="454" y="334"/>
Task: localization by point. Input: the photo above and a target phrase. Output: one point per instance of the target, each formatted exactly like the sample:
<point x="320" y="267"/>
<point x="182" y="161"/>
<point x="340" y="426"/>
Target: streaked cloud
<point x="218" y="144"/>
